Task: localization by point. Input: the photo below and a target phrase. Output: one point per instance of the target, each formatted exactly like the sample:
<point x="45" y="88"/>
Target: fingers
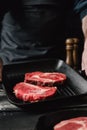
<point x="0" y="77"/>
<point x="84" y="61"/>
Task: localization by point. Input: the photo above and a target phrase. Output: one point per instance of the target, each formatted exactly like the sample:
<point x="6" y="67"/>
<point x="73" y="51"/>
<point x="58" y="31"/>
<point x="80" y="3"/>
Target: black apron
<point x="33" y="29"/>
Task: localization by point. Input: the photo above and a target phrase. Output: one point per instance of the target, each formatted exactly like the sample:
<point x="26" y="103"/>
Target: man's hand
<point x="1" y="67"/>
<point x="84" y="54"/>
<point x="84" y="59"/>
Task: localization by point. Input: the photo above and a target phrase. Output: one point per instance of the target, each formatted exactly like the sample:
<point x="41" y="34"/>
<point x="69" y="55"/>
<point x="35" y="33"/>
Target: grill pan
<point x="46" y="122"/>
<point x="74" y="88"/>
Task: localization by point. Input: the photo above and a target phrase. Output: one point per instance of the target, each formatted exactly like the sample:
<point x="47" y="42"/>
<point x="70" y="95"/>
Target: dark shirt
<point x="81" y="7"/>
<point x="33" y="29"/>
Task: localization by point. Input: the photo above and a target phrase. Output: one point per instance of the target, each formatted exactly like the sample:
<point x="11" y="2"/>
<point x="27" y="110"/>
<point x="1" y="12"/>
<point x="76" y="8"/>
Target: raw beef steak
<point x="45" y="78"/>
<point x="32" y="93"/>
<point x="78" y="123"/>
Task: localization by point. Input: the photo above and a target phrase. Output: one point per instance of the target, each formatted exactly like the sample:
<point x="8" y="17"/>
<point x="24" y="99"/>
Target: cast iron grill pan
<point x="46" y="122"/>
<point x="74" y="86"/>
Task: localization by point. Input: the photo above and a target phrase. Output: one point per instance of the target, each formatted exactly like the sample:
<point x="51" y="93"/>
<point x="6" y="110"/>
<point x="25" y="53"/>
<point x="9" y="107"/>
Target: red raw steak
<point x="32" y="93"/>
<point x="78" y="123"/>
<point x="45" y="78"/>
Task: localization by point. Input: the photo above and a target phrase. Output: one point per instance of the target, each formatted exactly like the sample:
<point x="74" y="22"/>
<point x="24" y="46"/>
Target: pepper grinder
<point x="75" y="53"/>
<point x="69" y="51"/>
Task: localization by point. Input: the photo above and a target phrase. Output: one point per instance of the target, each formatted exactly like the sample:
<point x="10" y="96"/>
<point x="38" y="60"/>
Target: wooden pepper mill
<point x="72" y="52"/>
<point x="75" y="53"/>
<point x="69" y="52"/>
